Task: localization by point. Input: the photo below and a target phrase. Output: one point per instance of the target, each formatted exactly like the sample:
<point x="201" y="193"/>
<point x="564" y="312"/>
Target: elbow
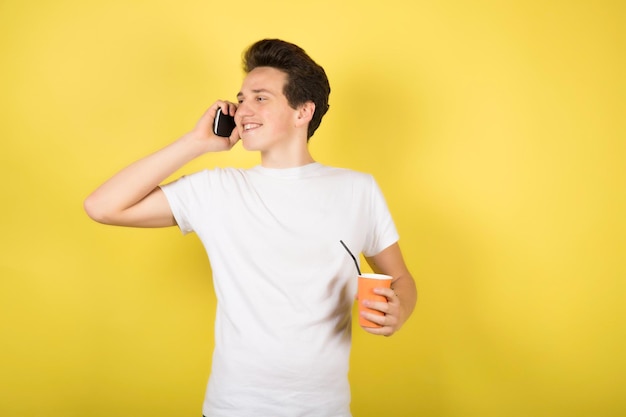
<point x="95" y="210"/>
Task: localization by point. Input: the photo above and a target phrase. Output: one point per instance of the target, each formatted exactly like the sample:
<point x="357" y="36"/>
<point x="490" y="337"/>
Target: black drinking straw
<point x="355" y="262"/>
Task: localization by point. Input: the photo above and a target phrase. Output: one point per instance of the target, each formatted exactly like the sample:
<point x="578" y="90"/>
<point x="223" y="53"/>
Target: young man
<point x="284" y="283"/>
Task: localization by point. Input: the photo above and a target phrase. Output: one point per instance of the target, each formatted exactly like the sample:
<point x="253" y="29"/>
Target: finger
<point x="225" y="106"/>
<point x="208" y="117"/>
<point x="382" y="306"/>
<point x="232" y="108"/>
<point x="374" y="318"/>
<point x="380" y="331"/>
<point x="234" y="137"/>
<point x="390" y="312"/>
<point x="388" y="293"/>
<point x="203" y="125"/>
<point x="388" y="318"/>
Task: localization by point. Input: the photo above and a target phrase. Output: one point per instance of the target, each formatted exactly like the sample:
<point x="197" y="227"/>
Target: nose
<point x="243" y="110"/>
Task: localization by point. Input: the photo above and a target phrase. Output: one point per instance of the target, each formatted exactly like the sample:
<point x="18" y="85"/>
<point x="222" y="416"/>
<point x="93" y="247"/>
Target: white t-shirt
<point x="284" y="283"/>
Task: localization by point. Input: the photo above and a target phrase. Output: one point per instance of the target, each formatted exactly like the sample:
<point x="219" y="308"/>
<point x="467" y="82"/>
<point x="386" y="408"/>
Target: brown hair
<point x="306" y="80"/>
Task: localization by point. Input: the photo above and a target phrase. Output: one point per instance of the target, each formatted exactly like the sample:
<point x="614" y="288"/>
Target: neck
<point x="274" y="160"/>
<point x="290" y="155"/>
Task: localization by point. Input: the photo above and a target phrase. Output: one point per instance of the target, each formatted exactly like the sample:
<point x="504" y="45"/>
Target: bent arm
<point x="132" y="197"/>
<point x="402" y="296"/>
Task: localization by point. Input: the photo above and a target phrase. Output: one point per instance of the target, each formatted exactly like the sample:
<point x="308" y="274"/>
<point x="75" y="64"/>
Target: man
<point x="284" y="283"/>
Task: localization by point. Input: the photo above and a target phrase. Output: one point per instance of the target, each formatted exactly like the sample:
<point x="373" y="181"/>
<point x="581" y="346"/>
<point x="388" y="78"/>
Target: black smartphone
<point x="223" y="124"/>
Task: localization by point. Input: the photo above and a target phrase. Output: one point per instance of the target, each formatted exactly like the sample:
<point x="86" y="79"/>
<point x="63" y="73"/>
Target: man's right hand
<point x="203" y="131"/>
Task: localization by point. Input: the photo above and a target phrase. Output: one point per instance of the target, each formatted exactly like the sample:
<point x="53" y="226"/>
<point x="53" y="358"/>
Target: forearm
<point x="404" y="287"/>
<point x="401" y="297"/>
<point x="133" y="183"/>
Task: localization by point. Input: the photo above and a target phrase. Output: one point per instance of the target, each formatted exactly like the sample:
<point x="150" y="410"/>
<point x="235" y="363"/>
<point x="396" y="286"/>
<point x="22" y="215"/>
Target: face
<point x="264" y="118"/>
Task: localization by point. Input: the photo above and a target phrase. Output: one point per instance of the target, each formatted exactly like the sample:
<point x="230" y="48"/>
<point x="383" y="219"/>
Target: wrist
<point x="195" y="145"/>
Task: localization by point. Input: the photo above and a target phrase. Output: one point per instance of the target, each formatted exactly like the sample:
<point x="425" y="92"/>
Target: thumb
<point x="234" y="137"/>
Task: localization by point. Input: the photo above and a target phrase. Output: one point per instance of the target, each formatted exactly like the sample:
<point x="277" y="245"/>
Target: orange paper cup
<point x="367" y="283"/>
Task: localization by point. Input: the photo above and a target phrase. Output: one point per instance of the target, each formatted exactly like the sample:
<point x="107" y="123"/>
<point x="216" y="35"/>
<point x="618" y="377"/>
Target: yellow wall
<point x="496" y="130"/>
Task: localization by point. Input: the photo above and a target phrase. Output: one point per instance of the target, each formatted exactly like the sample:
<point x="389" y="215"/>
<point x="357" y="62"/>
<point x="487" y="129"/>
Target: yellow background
<point x="496" y="130"/>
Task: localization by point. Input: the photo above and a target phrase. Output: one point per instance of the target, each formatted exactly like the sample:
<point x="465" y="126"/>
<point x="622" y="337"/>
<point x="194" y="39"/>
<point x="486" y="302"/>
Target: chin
<point x="248" y="145"/>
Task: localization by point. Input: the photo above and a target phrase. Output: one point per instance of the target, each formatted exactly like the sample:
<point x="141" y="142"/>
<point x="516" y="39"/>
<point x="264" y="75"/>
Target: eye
<point x="260" y="98"/>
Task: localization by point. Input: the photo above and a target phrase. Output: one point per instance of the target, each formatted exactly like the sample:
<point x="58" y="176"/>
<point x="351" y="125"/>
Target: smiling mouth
<point x="250" y="126"/>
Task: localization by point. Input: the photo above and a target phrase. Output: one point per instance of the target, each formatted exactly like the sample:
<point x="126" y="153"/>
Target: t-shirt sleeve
<point x="180" y="196"/>
<point x="383" y="232"/>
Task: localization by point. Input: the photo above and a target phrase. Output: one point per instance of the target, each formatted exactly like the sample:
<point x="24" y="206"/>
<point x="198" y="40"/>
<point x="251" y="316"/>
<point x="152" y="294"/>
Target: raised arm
<point x="132" y="197"/>
<point x="402" y="296"/>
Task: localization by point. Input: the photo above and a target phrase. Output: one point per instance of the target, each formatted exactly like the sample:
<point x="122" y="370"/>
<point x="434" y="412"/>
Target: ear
<point x="305" y="113"/>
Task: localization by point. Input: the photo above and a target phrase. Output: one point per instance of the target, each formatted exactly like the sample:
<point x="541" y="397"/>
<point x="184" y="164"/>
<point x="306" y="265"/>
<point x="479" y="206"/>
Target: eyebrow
<point x="257" y="91"/>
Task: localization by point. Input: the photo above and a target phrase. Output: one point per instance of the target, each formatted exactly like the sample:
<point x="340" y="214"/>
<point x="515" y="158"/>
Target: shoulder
<point x="358" y="181"/>
<point x="204" y="180"/>
<point x="346" y="174"/>
<point x="215" y="174"/>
